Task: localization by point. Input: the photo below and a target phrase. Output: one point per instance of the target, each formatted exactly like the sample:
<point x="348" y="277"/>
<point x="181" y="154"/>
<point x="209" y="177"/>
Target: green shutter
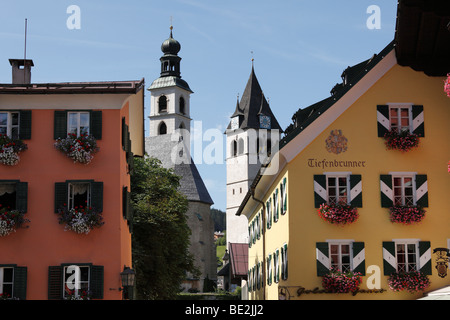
<point x="277" y="265"/>
<point x="387" y="194"/>
<point x="285" y="257"/>
<point x="422" y="190"/>
<point x="55" y="282"/>
<point x="22" y="196"/>
<point x="283" y="196"/>
<point x="20" y="283"/>
<point x="25" y="125"/>
<point x="97" y="195"/>
<point x="383" y="123"/>
<point x="322" y="258"/>
<point x="125" y="202"/>
<point x="60" y="125"/>
<point x="61" y="195"/>
<point x="320" y="189"/>
<point x="389" y="259"/>
<point x="96" y="124"/>
<point x="417" y="121"/>
<point x="425" y="257"/>
<point x="359" y="258"/>
<point x="96" y="281"/>
<point x="124" y="134"/>
<point x="356" y="191"/>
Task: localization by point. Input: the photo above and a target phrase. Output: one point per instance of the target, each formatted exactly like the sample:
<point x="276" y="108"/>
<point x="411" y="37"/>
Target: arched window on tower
<point x="162" y="104"/>
<point x="182" y="106"/>
<point x="162" y="128"/>
<point x="241" y="146"/>
<point x="234" y="148"/>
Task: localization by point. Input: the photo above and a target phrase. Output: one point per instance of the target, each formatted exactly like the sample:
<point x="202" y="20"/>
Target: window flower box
<point x="447" y="85"/>
<point x="10" y="149"/>
<point x="406" y="214"/>
<point x="80" y="220"/>
<point x="411" y="281"/>
<point x="338" y="213"/>
<point x="338" y="282"/>
<point x="72" y="295"/>
<point x="402" y="141"/>
<point x="10" y="220"/>
<point x="79" y="148"/>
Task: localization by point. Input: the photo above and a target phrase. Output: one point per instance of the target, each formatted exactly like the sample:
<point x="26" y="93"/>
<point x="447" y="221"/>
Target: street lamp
<point x="128" y="277"/>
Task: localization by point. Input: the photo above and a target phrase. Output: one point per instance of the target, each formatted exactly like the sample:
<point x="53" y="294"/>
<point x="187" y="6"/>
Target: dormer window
<point x="162" y="104"/>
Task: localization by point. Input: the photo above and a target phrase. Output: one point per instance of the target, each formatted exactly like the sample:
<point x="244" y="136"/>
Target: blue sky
<point x="300" y="49"/>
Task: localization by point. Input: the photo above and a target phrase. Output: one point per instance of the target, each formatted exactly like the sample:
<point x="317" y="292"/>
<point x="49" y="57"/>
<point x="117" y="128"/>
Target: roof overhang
<point x="422" y="35"/>
<point x="302" y="139"/>
<point x="110" y="87"/>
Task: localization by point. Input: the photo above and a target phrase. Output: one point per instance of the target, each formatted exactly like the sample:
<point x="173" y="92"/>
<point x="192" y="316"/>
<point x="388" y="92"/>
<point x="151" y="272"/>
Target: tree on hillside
<point x="160" y="238"/>
<point x="219" y="218"/>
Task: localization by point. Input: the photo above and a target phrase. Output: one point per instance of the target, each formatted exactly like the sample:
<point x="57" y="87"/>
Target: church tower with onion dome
<point x="168" y="141"/>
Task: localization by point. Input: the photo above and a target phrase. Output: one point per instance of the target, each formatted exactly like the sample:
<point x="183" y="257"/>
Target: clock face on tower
<point x="264" y="122"/>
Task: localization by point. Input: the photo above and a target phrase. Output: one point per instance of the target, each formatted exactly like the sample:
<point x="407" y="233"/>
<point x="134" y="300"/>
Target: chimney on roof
<point x="21" y="70"/>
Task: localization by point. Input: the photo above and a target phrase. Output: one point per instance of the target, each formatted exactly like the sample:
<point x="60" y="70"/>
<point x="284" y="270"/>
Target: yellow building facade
<point x="338" y="154"/>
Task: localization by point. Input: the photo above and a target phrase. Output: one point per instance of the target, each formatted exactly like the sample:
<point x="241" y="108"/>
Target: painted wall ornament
<point x="442" y="257"/>
<point x="336" y="142"/>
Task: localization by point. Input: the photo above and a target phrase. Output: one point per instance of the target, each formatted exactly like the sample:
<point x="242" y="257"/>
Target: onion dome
<point x="170" y="46"/>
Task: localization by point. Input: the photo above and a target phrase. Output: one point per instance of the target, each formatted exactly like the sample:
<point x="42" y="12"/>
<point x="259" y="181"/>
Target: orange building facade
<point x="45" y="259"/>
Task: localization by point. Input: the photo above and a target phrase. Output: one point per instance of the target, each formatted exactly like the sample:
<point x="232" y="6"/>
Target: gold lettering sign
<point x="324" y="163"/>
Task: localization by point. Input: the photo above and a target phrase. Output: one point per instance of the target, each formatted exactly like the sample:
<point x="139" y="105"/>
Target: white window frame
<point x="337" y="175"/>
<point x="81" y="282"/>
<point x="2" y="282"/>
<point x="9" y="126"/>
<point x="406" y="242"/>
<point x="340" y="243"/>
<point x="400" y="106"/>
<point x="78" y="114"/>
<point x="71" y="195"/>
<point x="402" y="176"/>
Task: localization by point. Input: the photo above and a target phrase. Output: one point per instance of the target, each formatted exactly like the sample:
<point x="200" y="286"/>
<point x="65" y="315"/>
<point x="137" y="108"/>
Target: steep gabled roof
<point x="304" y="117"/>
<point x="192" y="186"/>
<point x="252" y="104"/>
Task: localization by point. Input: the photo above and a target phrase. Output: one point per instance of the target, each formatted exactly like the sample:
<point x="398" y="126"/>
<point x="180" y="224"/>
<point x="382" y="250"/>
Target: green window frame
<point x="56" y="280"/>
<point x="60" y="129"/>
<point x="17" y="281"/>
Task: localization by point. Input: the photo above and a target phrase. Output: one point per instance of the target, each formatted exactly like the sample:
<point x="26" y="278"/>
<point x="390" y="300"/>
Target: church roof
<point x="170" y="81"/>
<point x="252" y="104"/>
<point x="191" y="183"/>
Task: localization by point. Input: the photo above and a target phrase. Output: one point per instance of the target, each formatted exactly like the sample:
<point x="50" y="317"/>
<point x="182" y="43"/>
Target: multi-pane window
<point x="79" y="194"/>
<point x="399" y="118"/>
<point x="8" y="195"/>
<point x="6" y="281"/>
<point x="9" y="124"/>
<point x="406" y="254"/>
<point x="340" y="256"/>
<point x="78" y="123"/>
<point x="403" y="190"/>
<point x="76" y="280"/>
<point x="337" y="187"/>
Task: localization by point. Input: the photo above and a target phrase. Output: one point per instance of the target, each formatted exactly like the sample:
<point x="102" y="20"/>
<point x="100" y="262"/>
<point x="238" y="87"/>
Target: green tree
<point x="160" y="239"/>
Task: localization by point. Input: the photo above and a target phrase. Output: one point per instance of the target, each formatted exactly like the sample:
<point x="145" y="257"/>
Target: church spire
<point x="170" y="61"/>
